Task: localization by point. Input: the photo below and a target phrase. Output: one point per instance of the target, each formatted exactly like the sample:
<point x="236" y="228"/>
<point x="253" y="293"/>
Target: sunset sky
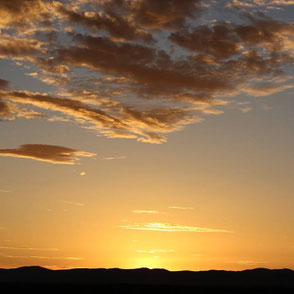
<point x="147" y="133"/>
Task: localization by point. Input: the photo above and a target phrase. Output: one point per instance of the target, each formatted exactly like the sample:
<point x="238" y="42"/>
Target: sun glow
<point x="150" y="261"/>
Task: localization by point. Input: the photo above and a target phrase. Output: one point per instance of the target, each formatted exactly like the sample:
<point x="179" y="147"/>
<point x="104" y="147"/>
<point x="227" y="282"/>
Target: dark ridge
<point x="35" y="268"/>
<point x="117" y="280"/>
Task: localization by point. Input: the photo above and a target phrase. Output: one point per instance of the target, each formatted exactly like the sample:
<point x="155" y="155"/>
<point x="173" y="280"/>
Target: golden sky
<point x="146" y="133"/>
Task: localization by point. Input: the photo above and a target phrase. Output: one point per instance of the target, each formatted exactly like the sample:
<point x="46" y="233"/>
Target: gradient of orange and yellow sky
<point x="103" y="164"/>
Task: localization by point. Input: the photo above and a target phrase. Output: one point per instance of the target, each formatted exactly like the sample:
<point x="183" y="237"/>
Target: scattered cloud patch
<point x="141" y="88"/>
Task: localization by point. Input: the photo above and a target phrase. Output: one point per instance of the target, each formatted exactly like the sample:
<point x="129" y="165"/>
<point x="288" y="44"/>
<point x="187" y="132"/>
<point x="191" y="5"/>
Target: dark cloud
<point x="4" y="84"/>
<point x="154" y="14"/>
<point x="264" y="30"/>
<point x="20" y="13"/>
<point x="218" y="41"/>
<point x="119" y="28"/>
<point x="169" y="14"/>
<point x="140" y="68"/>
<point x="220" y="67"/>
<point x="226" y="40"/>
<point x="15" y="47"/>
<point x="48" y="153"/>
<point x="4" y="108"/>
<point x="150" y="69"/>
<point x="51" y="66"/>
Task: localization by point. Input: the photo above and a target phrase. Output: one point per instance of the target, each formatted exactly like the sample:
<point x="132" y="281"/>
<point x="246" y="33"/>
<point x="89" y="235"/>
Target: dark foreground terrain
<point x="42" y="280"/>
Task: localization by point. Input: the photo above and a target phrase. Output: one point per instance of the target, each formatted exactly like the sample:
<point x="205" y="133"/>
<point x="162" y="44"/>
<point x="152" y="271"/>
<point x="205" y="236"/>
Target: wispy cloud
<point x="246" y="109"/>
<point x="39" y="257"/>
<point x="5" y="191"/>
<point x="73" y="203"/>
<point x="181" y="207"/>
<point x="197" y="254"/>
<point x="139" y="211"/>
<point x="156" y="251"/>
<point x="28" y="248"/>
<point x="249" y="262"/>
<point x="74" y="258"/>
<point x="267" y="4"/>
<point x="13" y="256"/>
<point x="48" y="153"/>
<point x="115" y="157"/>
<point x="50" y="257"/>
<point x="165" y="227"/>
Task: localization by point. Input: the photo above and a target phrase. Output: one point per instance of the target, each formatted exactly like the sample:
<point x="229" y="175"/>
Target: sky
<point x="147" y="133"/>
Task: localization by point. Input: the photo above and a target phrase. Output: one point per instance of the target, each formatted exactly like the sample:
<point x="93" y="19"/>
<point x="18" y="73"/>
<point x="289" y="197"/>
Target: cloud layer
<point x="140" y="69"/>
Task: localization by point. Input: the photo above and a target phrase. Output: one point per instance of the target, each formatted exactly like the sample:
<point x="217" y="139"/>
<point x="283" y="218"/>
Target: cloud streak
<point x="113" y="121"/>
<point x="165" y="227"/>
<point x="5" y="191"/>
<point x="28" y="248"/>
<point x="48" y="153"/>
<point x="139" y="211"/>
<point x="181" y="207"/>
<point x="39" y="257"/>
<point x="269" y="4"/>
<point x="156" y="251"/>
<point x="73" y="203"/>
<point x="115" y="157"/>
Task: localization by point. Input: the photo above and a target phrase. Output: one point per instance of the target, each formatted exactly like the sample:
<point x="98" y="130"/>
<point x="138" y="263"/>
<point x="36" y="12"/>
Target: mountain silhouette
<point x="143" y="280"/>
